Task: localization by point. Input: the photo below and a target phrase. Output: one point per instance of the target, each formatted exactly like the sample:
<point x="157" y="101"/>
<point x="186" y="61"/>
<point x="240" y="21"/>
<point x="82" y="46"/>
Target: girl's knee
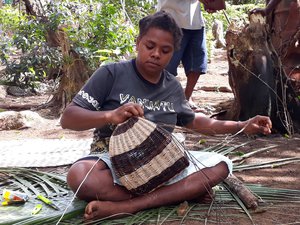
<point x="216" y="174"/>
<point x="78" y="179"/>
<point x="220" y="172"/>
<point x="223" y="169"/>
<point x="75" y="175"/>
<point x="95" y="184"/>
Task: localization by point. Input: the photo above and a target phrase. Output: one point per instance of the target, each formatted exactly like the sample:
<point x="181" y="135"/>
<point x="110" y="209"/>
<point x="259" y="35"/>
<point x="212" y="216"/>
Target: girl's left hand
<point x="258" y="124"/>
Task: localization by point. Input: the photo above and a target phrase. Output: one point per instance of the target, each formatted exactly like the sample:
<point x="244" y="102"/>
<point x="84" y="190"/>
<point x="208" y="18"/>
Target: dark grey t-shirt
<point x="116" y="84"/>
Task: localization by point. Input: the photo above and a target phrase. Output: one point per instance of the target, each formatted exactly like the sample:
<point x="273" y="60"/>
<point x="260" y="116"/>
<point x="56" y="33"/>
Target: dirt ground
<point x="210" y="94"/>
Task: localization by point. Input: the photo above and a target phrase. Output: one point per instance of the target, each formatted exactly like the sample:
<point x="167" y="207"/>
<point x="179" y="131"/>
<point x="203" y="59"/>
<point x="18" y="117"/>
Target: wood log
<point x="215" y="89"/>
<point x="20" y="107"/>
<point x="244" y="193"/>
<point x="75" y="70"/>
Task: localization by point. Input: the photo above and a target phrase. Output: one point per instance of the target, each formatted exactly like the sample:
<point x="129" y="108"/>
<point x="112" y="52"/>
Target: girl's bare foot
<point x="101" y="209"/>
<point x="206" y="198"/>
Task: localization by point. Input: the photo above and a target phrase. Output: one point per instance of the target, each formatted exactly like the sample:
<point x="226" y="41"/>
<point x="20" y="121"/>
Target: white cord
<point x="77" y="191"/>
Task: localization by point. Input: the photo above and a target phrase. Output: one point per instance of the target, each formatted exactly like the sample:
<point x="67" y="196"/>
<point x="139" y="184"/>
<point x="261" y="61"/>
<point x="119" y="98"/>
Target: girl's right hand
<point x="126" y="111"/>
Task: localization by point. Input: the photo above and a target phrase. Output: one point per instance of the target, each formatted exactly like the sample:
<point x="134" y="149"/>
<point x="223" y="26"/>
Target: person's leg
<point x="191" y="187"/>
<point x="177" y="56"/>
<point x="194" y="60"/>
<point x="192" y="79"/>
<point x="99" y="183"/>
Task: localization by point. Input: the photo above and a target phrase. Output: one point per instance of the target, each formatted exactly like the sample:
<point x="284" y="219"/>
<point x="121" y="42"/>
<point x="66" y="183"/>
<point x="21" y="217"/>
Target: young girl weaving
<point x="142" y="88"/>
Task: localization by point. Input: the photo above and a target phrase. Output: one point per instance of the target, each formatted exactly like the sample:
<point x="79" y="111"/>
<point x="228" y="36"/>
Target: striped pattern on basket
<point x="144" y="155"/>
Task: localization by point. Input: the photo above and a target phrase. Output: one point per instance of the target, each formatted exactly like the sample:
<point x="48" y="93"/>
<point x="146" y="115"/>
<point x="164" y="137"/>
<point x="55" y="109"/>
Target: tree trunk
<point x="75" y="70"/>
<point x="74" y="74"/>
<point x="29" y="8"/>
<point x="284" y="24"/>
<point x="258" y="82"/>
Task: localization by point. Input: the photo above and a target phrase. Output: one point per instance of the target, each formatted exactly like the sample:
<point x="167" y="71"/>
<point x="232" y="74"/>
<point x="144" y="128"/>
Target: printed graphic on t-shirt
<point x="148" y="104"/>
<point x="89" y="99"/>
<point x="127" y="98"/>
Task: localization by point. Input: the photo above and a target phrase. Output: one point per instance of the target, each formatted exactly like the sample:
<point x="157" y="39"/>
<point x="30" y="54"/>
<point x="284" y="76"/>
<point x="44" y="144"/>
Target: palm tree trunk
<point x="258" y="80"/>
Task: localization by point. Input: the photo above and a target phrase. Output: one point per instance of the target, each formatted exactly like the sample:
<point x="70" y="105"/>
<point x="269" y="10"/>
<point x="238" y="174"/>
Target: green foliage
<point x="9" y="19"/>
<point x="138" y="9"/>
<point x="25" y="53"/>
<point x="100" y="31"/>
<point x="32" y="66"/>
<point x="29" y="35"/>
<point x="9" y="22"/>
<point x="232" y="14"/>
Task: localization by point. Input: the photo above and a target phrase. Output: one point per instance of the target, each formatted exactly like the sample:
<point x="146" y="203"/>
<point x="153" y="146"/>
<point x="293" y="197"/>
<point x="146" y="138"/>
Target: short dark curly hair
<point x="164" y="21"/>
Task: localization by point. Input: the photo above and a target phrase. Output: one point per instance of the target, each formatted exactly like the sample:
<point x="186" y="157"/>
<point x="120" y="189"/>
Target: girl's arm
<point x="77" y="118"/>
<point x="206" y="125"/>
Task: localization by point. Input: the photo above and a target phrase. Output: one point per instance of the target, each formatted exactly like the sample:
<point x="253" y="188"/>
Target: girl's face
<point x="155" y="50"/>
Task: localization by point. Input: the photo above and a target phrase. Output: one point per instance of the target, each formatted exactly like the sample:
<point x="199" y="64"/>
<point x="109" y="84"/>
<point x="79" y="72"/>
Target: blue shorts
<point x="192" y="53"/>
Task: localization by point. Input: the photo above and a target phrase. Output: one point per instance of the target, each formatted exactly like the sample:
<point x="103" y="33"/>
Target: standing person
<point x="192" y="52"/>
<point x="142" y="88"/>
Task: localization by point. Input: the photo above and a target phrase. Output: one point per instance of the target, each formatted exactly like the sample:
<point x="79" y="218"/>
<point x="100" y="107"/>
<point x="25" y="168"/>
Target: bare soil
<point x="212" y="94"/>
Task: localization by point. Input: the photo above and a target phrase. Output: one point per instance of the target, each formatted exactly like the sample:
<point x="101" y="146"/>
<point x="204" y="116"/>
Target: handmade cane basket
<point x="144" y="155"/>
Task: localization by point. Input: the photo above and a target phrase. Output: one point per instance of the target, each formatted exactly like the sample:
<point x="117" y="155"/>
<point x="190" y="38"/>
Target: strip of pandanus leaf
<point x="247" y="155"/>
<point x="19" y="186"/>
<point x="15" y="221"/>
<point x="27" y="184"/>
<point x="57" y="187"/>
<point x="273" y="190"/>
<point x="272" y="194"/>
<point x="274" y="163"/>
<point x="23" y="171"/>
<point x="223" y="148"/>
<point x="143" y="217"/>
<point x="168" y="215"/>
<point x="228" y="150"/>
<point x="39" y="182"/>
<point x="186" y="214"/>
<point x="214" y="148"/>
<point x="208" y="212"/>
<point x="285" y="196"/>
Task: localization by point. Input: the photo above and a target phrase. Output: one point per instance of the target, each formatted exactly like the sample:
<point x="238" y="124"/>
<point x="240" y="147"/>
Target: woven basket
<point x="144" y="155"/>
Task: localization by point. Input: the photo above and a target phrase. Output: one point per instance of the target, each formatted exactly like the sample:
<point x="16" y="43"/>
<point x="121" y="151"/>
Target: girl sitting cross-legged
<point x="141" y="87"/>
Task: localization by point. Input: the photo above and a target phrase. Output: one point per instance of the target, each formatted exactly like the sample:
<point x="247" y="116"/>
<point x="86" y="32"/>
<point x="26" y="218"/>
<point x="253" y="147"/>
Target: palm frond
<point x="32" y="183"/>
